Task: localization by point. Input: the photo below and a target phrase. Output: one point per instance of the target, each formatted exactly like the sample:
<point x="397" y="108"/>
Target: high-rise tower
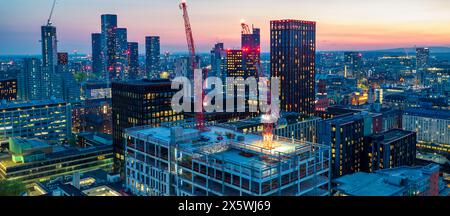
<point x="152" y="52"/>
<point x="97" y="68"/>
<point x="109" y="45"/>
<point x="292" y="53"/>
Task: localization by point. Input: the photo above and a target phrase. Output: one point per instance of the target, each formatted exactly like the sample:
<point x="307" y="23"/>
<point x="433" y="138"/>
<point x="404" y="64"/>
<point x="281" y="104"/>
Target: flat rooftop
<point x="144" y="82"/>
<point x="37" y="103"/>
<point x="394" y="134"/>
<point x="225" y="144"/>
<point x="430" y="113"/>
<point x="288" y="118"/>
<point x="26" y="144"/>
<point x="58" y="152"/>
<point x="385" y="182"/>
<point x="101" y="191"/>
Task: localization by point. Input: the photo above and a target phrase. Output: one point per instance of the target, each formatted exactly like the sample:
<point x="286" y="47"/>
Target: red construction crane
<point x="199" y="118"/>
<point x="268" y="127"/>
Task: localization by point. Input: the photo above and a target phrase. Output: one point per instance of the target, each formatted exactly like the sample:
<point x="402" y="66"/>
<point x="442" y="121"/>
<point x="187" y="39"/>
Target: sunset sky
<point x="341" y="24"/>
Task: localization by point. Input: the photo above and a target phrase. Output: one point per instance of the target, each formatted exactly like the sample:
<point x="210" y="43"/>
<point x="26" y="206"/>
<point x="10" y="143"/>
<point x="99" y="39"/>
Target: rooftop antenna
<point x="49" y="22"/>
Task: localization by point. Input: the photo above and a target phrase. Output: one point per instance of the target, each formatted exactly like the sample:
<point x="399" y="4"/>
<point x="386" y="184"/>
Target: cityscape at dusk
<point x="274" y="101"/>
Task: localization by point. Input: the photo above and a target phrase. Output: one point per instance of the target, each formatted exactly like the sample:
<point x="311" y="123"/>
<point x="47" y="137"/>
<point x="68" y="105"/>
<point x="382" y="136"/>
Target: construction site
<point x="222" y="162"/>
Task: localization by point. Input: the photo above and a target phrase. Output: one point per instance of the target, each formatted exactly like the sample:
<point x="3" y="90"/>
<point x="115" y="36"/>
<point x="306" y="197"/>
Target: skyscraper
<point x="49" y="46"/>
<point x="353" y="63"/>
<point x="122" y="53"/>
<point x="251" y="51"/>
<point x="49" y="60"/>
<point x="422" y="58"/>
<point x="218" y="61"/>
<point x="152" y="52"/>
<point x="109" y="45"/>
<point x="69" y="89"/>
<point x="97" y="68"/>
<point x="292" y="53"/>
<point x="422" y="62"/>
<point x="133" y="60"/>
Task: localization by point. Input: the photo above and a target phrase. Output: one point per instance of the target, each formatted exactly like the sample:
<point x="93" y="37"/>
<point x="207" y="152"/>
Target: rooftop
<point x="224" y="144"/>
<point x="387" y="182"/>
<point x="26" y="104"/>
<point x="144" y="82"/>
<point x="58" y="152"/>
<point x="21" y="144"/>
<point x="430" y="113"/>
<point x="101" y="191"/>
<point x="393" y="134"/>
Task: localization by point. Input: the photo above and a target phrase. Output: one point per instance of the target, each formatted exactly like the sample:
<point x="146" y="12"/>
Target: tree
<point x="12" y="188"/>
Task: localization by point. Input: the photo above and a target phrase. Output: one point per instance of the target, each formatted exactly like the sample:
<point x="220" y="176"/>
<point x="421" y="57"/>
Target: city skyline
<point x="339" y="27"/>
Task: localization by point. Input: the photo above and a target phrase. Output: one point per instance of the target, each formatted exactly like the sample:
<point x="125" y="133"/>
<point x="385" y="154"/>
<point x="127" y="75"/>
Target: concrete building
<point x="49" y="120"/>
<point x="182" y="161"/>
<point x="432" y="128"/>
<point x="400" y="181"/>
<point x="36" y="160"/>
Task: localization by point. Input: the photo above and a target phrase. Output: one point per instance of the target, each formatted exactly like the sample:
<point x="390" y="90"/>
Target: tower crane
<point x="49" y="22"/>
<point x="199" y="118"/>
<point x="245" y="27"/>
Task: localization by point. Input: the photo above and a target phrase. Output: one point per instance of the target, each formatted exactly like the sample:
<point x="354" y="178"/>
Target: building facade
<point x="49" y="62"/>
<point x="432" y="128"/>
<point x="251" y="52"/>
<point x="400" y="181"/>
<point x="122" y="53"/>
<point x="109" y="45"/>
<point x="8" y="89"/>
<point x="48" y="120"/>
<point x="35" y="160"/>
<point x="292" y="55"/>
<point x="219" y="61"/>
<point x="393" y="148"/>
<point x="97" y="67"/>
<point x="345" y="135"/>
<point x="220" y="162"/>
<point x="137" y="103"/>
<point x="152" y="56"/>
<point x="133" y="61"/>
<point x="30" y="80"/>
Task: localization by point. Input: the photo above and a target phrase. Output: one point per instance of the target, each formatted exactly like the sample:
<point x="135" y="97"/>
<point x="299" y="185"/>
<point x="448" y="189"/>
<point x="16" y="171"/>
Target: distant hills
<point x="433" y="49"/>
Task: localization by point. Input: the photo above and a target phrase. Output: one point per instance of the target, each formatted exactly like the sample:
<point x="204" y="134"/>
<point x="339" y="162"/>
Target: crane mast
<point x="49" y="21"/>
<point x="199" y="118"/>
